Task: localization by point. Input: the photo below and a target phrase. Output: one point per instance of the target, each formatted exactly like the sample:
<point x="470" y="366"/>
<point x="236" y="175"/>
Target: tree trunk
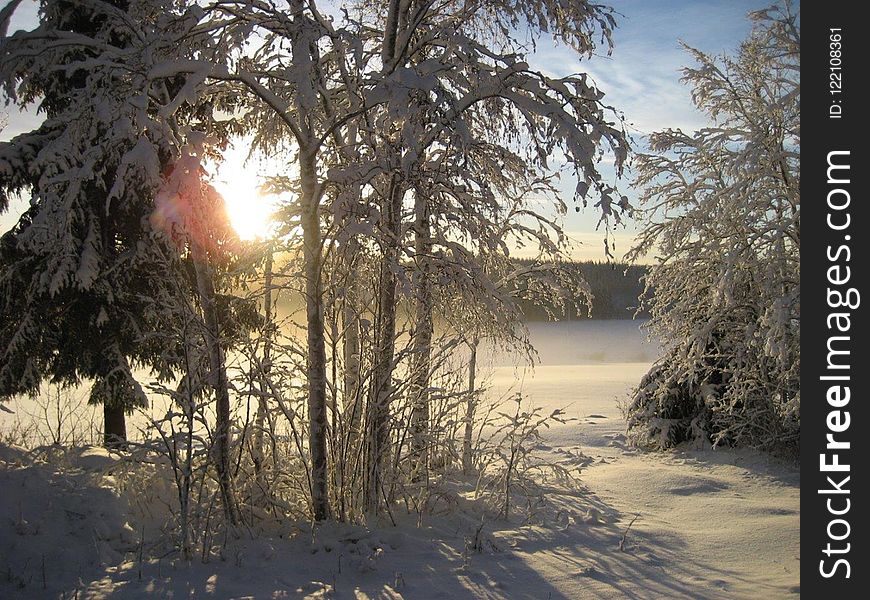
<point x="218" y="380"/>
<point x="351" y="323"/>
<point x="391" y="32"/>
<point x="114" y="426"/>
<point x="421" y="344"/>
<point x="305" y="57"/>
<point x="378" y="414"/>
<point x="352" y="397"/>
<point x="378" y="408"/>
<point x="312" y="256"/>
<point x="470" y="407"/>
<point x="262" y="405"/>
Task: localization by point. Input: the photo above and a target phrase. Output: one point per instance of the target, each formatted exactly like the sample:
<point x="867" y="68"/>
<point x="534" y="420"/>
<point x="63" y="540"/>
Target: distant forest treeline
<point x="616" y="288"/>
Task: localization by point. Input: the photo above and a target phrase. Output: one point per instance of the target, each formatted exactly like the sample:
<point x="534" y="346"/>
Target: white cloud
<point x="642" y="77"/>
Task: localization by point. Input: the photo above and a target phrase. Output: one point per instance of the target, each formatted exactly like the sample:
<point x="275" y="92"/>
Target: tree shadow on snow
<point x="568" y="547"/>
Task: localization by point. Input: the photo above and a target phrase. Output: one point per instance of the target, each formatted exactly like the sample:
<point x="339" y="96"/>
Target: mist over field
<point x="580" y="363"/>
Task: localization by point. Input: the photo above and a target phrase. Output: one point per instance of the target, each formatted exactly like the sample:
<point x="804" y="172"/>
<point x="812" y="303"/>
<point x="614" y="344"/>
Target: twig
<point x="622" y="541"/>
<point x="387" y="504"/>
<point x="141" y="549"/>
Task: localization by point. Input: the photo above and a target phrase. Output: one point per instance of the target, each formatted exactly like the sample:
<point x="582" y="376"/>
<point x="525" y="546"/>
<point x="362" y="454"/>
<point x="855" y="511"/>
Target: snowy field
<point x="704" y="524"/>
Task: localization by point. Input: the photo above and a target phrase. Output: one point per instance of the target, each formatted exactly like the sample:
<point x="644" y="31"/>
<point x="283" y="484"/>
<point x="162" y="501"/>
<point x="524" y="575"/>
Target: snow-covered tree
<point x="723" y="218"/>
<point x="465" y="139"/>
<point x="79" y="276"/>
<point x="419" y="145"/>
<point x="412" y="104"/>
<point x="73" y="273"/>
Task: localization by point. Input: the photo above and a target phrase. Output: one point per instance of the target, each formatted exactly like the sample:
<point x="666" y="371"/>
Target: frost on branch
<point x="723" y="210"/>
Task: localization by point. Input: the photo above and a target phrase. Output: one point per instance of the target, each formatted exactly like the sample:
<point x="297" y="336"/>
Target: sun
<point x="248" y="208"/>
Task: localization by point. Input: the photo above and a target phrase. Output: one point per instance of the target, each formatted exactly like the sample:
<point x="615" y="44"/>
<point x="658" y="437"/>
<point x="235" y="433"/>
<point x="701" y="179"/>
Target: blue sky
<point x="640" y="78"/>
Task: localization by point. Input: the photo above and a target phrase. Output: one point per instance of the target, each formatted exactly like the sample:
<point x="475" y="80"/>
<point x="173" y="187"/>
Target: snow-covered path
<point x="710" y="523"/>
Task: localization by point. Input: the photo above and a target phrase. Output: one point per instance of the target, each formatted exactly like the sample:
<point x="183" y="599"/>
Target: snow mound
<point x="58" y="524"/>
<point x="13" y="455"/>
<point x="92" y="458"/>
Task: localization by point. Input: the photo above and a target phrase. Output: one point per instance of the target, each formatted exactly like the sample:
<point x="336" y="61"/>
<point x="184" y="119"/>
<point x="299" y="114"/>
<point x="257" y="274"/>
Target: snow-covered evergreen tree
<point x="71" y="279"/>
<point x="77" y="274"/>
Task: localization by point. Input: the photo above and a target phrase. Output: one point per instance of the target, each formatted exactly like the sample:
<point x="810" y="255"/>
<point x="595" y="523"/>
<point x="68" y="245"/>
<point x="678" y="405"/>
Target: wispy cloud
<point x="642" y="76"/>
<point x="641" y="79"/>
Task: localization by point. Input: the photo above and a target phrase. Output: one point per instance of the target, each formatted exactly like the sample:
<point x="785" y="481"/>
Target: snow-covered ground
<point x="707" y="524"/>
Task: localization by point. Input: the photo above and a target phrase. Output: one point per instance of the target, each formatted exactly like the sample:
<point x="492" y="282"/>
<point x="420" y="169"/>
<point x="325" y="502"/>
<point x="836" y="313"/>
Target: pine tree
<point x="72" y="272"/>
<point x="77" y="274"/>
